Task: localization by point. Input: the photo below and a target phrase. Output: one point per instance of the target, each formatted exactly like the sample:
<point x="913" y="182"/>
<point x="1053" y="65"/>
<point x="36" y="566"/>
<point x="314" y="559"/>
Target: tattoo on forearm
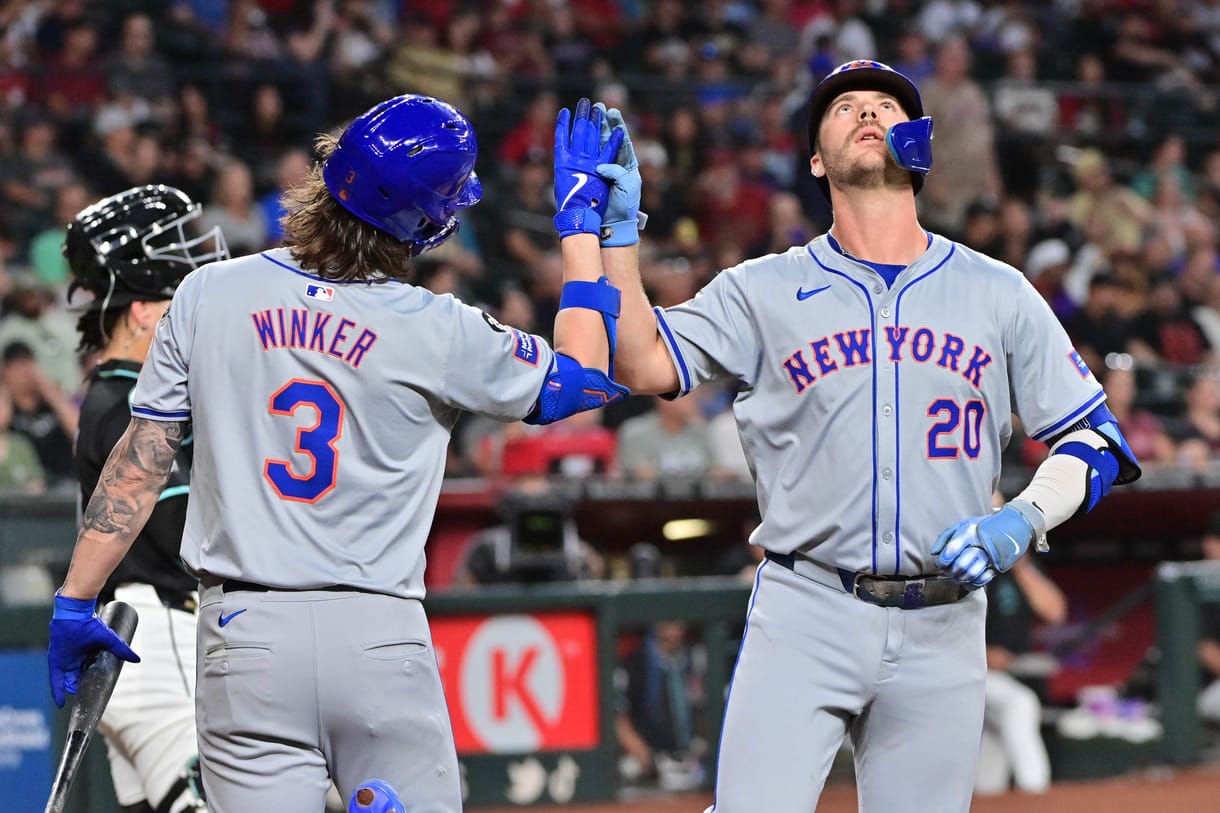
<point x="133" y="476"/>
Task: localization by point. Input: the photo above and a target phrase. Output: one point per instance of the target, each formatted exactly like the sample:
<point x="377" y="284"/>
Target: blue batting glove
<point x="77" y="634"/>
<point x="580" y="193"/>
<point x="974" y="550"/>
<point x="623" y="220"/>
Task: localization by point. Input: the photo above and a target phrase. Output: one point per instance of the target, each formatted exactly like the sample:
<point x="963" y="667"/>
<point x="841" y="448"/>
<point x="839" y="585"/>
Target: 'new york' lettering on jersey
<point x="861" y="462"/>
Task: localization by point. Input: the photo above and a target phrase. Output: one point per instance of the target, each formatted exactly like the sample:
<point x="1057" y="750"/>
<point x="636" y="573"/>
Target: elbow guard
<point x="1097" y="440"/>
<point x="571" y="388"/>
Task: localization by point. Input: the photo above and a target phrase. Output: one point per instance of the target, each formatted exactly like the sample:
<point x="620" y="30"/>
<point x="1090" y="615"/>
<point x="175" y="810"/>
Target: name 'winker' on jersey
<point x="304" y="329"/>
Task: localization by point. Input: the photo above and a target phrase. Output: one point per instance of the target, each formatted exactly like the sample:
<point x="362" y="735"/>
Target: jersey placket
<point x="885" y="419"/>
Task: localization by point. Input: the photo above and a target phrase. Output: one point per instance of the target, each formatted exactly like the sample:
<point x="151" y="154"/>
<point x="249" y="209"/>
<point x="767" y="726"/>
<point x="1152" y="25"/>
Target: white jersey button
<point x="887" y="473"/>
<point x="887" y="537"/>
<point x="877" y="289"/>
<point x="885" y="313"/>
<point x="887" y="410"/>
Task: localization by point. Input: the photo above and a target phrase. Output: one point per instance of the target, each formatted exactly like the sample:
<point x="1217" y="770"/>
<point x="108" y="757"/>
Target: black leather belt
<point x="233" y="585"/>
<point x="905" y="592"/>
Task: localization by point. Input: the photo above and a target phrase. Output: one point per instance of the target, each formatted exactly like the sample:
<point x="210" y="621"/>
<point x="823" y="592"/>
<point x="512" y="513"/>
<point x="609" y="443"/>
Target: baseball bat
<point x="93" y="691"/>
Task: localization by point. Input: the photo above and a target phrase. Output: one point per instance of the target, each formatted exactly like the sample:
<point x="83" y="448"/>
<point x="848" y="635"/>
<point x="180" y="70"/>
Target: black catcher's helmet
<point x="134" y="246"/>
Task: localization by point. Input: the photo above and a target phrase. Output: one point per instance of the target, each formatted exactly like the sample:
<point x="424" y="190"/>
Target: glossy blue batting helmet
<point x="910" y="142"/>
<point x="406" y="167"/>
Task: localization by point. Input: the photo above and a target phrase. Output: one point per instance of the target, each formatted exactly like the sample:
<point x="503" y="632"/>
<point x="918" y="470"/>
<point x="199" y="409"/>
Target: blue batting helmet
<point x="407" y="166"/>
<point x="375" y="796"/>
<point x="910" y="142"/>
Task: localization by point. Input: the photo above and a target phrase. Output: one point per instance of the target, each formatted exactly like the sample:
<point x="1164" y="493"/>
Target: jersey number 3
<point x="317" y="442"/>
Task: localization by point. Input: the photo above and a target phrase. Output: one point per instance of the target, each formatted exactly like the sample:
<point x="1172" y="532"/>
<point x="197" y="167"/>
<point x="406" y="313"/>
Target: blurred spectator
<point x="292" y="166"/>
<point x="20" y="468"/>
<point x="1099" y="327"/>
<point x="787" y="225"/>
<point x="533" y="136"/>
<point x="40" y="411"/>
<point x="358" y="43"/>
<point x="1197" y="431"/>
<point x="1145" y="433"/>
<point x="1167" y="331"/>
<point x="437" y="60"/>
<point x="660" y="687"/>
<point x="269" y="131"/>
<point x="729" y="208"/>
<point x="570" y="49"/>
<point x="1209" y="644"/>
<point x="912" y="55"/>
<point x="672" y="440"/>
<point x="1026" y="113"/>
<point x="526" y="227"/>
<point x="1091" y="108"/>
<point x="1168" y="160"/>
<point x="137" y="71"/>
<point x="1047" y="268"/>
<point x="31" y="175"/>
<point x="194" y="119"/>
<point x="981" y="227"/>
<point x="1012" y="748"/>
<point x="32" y="320"/>
<point x="46" y="248"/>
<point x="962" y="115"/>
<point x="1109" y="215"/>
<point x="235" y="211"/>
<point x="73" y="82"/>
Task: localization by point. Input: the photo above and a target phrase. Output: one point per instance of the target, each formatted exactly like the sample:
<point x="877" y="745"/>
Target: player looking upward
<point x="130" y="251"/>
<point x="878" y="367"/>
<point x="321" y="388"/>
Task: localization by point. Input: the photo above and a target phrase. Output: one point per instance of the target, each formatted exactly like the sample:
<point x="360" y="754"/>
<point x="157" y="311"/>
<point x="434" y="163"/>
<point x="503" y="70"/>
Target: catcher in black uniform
<point x="130" y="251"/>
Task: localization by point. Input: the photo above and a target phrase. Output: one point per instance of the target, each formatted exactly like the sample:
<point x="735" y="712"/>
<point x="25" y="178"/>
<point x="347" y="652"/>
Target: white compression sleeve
<point x="1060" y="485"/>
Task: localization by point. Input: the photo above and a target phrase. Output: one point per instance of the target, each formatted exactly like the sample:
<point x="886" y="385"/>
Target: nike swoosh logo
<point x="1016" y="546"/>
<point x="581" y="180"/>
<point x="225" y="619"/>
<point x="802" y="294"/>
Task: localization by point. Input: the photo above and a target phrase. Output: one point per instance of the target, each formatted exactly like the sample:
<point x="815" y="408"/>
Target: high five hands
<point x="597" y="176"/>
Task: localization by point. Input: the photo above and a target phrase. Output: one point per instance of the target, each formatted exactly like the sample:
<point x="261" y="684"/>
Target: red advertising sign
<point x="519" y="683"/>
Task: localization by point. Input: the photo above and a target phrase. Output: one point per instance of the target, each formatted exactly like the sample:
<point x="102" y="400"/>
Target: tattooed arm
<point x="126" y="493"/>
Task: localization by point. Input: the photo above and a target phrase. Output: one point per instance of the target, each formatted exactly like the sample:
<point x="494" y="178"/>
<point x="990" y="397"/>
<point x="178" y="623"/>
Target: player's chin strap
<point x="1086" y="460"/>
<point x="571" y="387"/>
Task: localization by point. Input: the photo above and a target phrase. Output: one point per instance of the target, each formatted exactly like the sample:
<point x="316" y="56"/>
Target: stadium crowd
<point x="1083" y="133"/>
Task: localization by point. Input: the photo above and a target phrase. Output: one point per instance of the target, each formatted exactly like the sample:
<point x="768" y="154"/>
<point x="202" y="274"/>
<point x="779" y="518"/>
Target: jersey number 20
<point x="970" y="417"/>
<point x="317" y="442"/>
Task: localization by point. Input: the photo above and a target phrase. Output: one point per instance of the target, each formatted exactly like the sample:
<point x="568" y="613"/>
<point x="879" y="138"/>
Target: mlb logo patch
<point x="1079" y="364"/>
<point x="526" y="349"/>
<point x="324" y="292"/>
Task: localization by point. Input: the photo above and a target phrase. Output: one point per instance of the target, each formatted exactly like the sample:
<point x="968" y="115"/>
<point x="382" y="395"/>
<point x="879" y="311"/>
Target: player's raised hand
<point x="623" y="220"/>
<point x="974" y="550"/>
<point x="77" y="633"/>
<point x="580" y="194"/>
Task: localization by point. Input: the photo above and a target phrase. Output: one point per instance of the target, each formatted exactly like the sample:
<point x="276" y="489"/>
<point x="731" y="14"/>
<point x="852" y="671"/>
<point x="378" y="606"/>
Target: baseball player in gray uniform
<point x="880" y="368"/>
<point x="321" y="388"/>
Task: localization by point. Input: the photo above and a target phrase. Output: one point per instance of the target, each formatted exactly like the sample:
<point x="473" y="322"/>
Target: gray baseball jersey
<point x="321" y="413"/>
<point x="874" y="417"/>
